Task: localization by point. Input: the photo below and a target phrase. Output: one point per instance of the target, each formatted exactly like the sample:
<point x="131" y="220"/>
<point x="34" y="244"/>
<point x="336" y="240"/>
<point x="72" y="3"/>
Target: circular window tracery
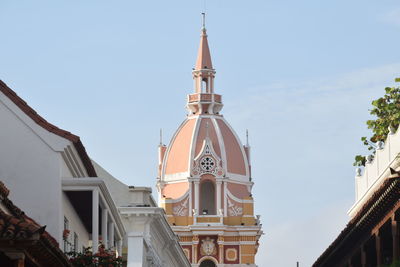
<point x="207" y="164"/>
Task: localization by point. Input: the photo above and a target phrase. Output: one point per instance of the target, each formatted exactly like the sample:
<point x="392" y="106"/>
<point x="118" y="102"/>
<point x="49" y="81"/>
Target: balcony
<point x="204" y="97"/>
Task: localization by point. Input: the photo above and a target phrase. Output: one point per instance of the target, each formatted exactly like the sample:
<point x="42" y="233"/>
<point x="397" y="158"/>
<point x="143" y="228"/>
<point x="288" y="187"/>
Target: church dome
<point x="204" y="145"/>
<point x="204" y="178"/>
<point x="190" y="142"/>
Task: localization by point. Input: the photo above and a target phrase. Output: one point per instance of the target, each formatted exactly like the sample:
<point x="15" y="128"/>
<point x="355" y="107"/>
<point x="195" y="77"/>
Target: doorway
<point x="208" y="263"/>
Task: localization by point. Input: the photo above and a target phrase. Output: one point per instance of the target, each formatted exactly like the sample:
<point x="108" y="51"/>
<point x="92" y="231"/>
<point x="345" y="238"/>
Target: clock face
<point x="207" y="164"/>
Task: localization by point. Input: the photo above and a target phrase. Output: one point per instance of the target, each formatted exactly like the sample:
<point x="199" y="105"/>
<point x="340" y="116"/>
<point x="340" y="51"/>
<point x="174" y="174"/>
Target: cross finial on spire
<point x="203" y="56"/>
<point x="204" y="20"/>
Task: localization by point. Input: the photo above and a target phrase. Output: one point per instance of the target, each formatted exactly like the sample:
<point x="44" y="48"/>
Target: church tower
<point x="204" y="181"/>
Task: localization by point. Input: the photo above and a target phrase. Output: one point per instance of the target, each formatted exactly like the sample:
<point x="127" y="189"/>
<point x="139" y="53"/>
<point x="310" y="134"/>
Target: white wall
<point x="31" y="165"/>
<point x="118" y="190"/>
<point x="31" y="170"/>
<point x="65" y="172"/>
<point x="75" y="224"/>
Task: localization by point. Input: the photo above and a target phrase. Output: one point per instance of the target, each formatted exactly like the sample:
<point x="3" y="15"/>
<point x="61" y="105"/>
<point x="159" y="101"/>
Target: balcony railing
<point x="208" y="219"/>
<point x="204" y="97"/>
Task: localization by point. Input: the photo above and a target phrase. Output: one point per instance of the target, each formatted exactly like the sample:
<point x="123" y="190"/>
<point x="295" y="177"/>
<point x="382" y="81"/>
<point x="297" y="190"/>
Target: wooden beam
<point x="387" y="217"/>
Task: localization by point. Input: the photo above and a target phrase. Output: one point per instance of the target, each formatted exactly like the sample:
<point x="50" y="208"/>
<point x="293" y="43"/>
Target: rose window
<point x="207" y="164"/>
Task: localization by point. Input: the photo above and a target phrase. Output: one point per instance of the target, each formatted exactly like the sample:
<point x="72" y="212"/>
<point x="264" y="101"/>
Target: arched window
<point x="204" y="86"/>
<point x="208" y="263"/>
<point x="207" y="198"/>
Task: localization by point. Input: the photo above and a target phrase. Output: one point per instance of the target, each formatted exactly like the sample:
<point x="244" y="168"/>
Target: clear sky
<point x="300" y="75"/>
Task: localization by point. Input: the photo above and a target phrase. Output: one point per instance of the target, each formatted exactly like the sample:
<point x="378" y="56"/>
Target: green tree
<point x="386" y="109"/>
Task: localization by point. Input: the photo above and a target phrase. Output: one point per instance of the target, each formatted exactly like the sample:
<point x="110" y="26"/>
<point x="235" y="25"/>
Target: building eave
<point x="32" y="114"/>
<point x="386" y="196"/>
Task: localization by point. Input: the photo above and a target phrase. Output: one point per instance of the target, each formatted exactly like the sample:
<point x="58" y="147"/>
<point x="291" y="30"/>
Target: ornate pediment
<point x="207" y="161"/>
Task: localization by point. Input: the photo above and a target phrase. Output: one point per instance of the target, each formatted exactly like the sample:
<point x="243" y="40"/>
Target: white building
<point x="150" y="240"/>
<point x="377" y="169"/>
<point x="54" y="180"/>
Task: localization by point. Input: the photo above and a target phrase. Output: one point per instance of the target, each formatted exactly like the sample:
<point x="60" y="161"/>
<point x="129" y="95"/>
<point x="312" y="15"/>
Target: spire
<point x="161" y="143"/>
<point x="204" y="55"/>
<point x="247" y="138"/>
<point x="204" y="100"/>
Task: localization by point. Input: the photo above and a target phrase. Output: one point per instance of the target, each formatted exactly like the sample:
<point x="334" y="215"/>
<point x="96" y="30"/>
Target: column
<point x="212" y="83"/>
<point x="95" y="220"/>
<point x="378" y="249"/>
<point x="201" y="83"/>
<point x="119" y="247"/>
<point x="196" y="196"/>
<point x="221" y="248"/>
<point x="135" y="249"/>
<point x="225" y="201"/>
<point x="104" y="226"/>
<point x="195" y="243"/>
<point x="111" y="234"/>
<point x="190" y="198"/>
<point x="218" y="196"/>
<point x="396" y="239"/>
<point x="363" y="256"/>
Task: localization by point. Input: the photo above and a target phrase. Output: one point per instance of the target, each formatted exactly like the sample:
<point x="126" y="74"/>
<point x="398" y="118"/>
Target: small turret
<point x="204" y="100"/>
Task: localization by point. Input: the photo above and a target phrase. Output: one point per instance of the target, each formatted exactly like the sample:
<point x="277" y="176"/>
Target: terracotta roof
<point x="20" y="232"/>
<point x="13" y="228"/>
<point x="7" y="91"/>
<point x="384" y="198"/>
<point x="3" y="190"/>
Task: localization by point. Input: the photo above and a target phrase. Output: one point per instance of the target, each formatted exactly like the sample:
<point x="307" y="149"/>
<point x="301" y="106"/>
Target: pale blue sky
<point x="299" y="75"/>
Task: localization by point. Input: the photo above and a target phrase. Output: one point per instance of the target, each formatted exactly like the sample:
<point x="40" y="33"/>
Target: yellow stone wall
<point x="247" y="252"/>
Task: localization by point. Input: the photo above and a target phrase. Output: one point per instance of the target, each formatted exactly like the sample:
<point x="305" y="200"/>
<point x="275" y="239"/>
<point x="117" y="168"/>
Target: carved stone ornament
<point x="234" y="210"/>
<point x="182" y="209"/>
<point x="208" y="247"/>
<point x="207" y="161"/>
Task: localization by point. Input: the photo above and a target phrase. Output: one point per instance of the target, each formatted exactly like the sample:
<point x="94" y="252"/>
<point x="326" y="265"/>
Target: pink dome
<point x="204" y="144"/>
<point x="188" y="143"/>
